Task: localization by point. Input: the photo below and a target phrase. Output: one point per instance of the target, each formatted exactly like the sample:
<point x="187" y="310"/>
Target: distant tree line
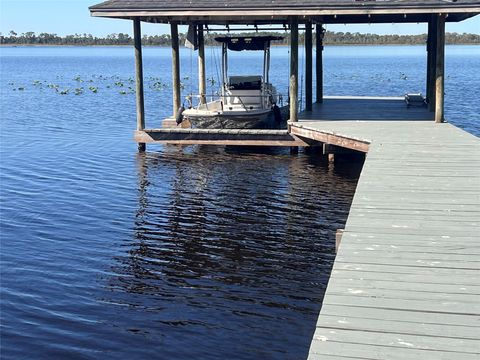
<point x="331" y="38"/>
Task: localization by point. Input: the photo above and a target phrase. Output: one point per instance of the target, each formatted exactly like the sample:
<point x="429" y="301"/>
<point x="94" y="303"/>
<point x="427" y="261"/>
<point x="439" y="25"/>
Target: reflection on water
<point x="233" y="253"/>
<point x="179" y="253"/>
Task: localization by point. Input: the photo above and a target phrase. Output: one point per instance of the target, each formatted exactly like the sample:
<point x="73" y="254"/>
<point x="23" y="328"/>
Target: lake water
<point x="178" y="253"/>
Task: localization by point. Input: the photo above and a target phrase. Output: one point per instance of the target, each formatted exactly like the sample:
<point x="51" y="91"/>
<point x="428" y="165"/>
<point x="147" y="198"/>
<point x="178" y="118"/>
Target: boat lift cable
<point x="216" y="61"/>
<point x="191" y="72"/>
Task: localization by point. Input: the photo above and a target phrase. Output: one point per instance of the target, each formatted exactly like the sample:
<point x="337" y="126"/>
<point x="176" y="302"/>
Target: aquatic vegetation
<point x="158" y="85"/>
<point x="126" y="85"/>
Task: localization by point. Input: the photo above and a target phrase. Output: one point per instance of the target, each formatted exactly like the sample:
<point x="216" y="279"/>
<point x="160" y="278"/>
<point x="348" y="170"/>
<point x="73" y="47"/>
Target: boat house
<point x="290" y="14"/>
<point x="404" y="284"/>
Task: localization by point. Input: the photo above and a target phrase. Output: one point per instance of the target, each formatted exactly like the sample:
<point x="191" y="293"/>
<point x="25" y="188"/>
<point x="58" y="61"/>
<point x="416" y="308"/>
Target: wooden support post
<point x="338" y="239"/>
<point x="293" y="69"/>
<point x="308" y="67"/>
<point x="432" y="59"/>
<point x="202" y="82"/>
<point x="319" y="62"/>
<point x="175" y="68"/>
<point x="428" y="87"/>
<point x="440" y="70"/>
<point x="137" y="36"/>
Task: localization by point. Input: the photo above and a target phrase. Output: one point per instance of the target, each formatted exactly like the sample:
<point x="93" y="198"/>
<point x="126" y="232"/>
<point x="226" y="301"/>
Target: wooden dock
<point x="405" y="283"/>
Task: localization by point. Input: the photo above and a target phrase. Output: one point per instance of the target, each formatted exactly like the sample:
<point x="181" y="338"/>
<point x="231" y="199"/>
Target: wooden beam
<point x="220" y="137"/>
<point x="270" y="14"/>
<point x="319" y="62"/>
<point x="293" y="91"/>
<point x="338" y="239"/>
<point x="432" y="59"/>
<point x="202" y="82"/>
<point x="440" y="70"/>
<point x="175" y="68"/>
<point x="137" y="36"/>
<point x="330" y="138"/>
<point x="337" y="150"/>
<point x="308" y="67"/>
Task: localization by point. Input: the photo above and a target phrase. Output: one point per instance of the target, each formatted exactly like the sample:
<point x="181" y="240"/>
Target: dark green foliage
<point x="331" y="38"/>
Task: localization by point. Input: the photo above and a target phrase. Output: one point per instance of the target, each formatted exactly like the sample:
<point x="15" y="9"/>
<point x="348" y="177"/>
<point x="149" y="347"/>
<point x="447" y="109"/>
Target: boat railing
<point x="202" y="99"/>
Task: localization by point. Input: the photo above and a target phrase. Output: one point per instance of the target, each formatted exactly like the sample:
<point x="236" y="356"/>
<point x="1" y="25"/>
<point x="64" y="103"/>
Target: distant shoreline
<point x="167" y="46"/>
<point x="164" y="40"/>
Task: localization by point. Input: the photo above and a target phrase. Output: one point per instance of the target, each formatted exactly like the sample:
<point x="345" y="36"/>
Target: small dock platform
<point x="405" y="283"/>
<point x="243" y="137"/>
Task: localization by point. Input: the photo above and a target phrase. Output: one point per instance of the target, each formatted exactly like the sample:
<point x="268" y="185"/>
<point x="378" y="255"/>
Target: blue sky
<point x="72" y="16"/>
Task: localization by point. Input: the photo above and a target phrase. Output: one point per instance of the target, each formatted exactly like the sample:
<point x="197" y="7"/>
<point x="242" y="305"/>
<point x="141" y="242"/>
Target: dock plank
<point x="378" y="352"/>
<point x="411" y="317"/>
<point x="410" y="346"/>
<point x="396" y="327"/>
<point x="405" y="281"/>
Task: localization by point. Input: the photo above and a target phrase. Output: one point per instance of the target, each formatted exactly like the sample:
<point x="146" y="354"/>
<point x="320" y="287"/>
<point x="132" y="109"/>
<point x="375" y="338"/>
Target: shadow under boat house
<point x="290" y="14"/>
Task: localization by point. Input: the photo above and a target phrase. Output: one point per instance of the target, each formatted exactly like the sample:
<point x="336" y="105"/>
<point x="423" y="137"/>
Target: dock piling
<point x="432" y="31"/>
<point x="293" y="91"/>
<point x="308" y="66"/>
<point x="202" y="86"/>
<point x="175" y="68"/>
<point x="137" y="35"/>
<point x="319" y="62"/>
<point x="440" y="69"/>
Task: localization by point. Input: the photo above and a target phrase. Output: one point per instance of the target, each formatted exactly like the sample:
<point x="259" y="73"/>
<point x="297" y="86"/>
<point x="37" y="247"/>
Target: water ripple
<point x="197" y="252"/>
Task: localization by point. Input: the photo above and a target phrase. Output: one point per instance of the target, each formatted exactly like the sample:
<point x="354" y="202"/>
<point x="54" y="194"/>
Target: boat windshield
<point x="252" y="82"/>
<point x="240" y="43"/>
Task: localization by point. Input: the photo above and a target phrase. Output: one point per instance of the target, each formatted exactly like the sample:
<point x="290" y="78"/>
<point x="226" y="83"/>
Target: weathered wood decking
<point x="244" y="137"/>
<point x="405" y="283"/>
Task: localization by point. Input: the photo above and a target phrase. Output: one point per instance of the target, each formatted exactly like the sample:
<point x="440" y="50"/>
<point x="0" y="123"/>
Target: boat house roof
<point x="278" y="11"/>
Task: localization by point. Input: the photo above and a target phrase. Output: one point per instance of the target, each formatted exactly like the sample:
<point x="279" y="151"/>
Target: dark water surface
<point x="179" y="253"/>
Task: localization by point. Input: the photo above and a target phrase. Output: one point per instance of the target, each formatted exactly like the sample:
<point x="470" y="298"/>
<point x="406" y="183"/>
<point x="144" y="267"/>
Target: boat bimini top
<point x="241" y="43"/>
